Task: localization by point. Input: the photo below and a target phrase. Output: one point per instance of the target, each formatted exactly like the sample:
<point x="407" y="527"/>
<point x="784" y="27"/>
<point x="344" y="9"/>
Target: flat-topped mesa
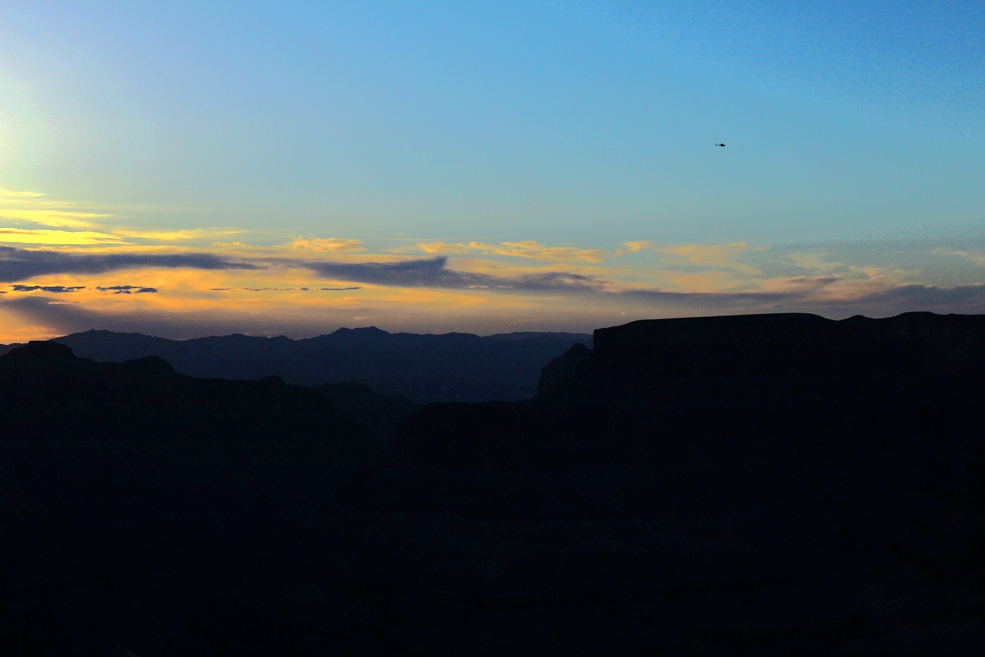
<point x="784" y="343"/>
<point x="36" y="357"/>
<point x="794" y="329"/>
<point x="41" y="350"/>
<point x="740" y="330"/>
<point x="772" y="385"/>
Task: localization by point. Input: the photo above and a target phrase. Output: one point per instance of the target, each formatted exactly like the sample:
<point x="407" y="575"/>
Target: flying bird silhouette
<point x="722" y="145"/>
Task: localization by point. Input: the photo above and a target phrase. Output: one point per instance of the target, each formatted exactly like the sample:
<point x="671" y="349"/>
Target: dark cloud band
<point x="56" y="289"/>
<point x="22" y="264"/>
<point x="127" y="289"/>
<point x="434" y="272"/>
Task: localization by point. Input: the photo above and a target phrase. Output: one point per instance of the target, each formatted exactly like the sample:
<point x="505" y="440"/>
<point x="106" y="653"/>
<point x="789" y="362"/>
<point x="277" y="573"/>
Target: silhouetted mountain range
<point x="423" y="368"/>
<point x="756" y="485"/>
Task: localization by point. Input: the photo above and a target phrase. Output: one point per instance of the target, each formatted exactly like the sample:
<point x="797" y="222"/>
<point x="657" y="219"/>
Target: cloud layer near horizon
<point x="61" y="318"/>
<point x="182" y="283"/>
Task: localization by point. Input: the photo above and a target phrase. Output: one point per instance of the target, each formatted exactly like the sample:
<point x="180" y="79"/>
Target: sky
<point x="190" y="169"/>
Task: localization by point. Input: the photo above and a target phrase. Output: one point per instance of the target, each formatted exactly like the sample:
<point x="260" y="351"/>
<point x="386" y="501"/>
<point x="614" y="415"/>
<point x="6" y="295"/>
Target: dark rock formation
<point x="46" y="391"/>
<point x="760" y="480"/>
<point x="765" y="485"/>
<point x="130" y="494"/>
<point x="562" y="368"/>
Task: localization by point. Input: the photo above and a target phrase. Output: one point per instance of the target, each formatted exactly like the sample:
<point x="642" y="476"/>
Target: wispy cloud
<point x="633" y="247"/>
<point x="32" y="215"/>
<point x="9" y="193"/>
<point x="714" y="255"/>
<point x="169" y="236"/>
<point x="529" y="249"/>
<point x="26" y="206"/>
<point x="56" y="237"/>
<point x="814" y="262"/>
<point x="53" y="218"/>
<point x="976" y="257"/>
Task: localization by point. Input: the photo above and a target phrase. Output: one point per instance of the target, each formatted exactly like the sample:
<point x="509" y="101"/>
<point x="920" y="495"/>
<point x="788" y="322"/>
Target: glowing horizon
<point x="519" y="166"/>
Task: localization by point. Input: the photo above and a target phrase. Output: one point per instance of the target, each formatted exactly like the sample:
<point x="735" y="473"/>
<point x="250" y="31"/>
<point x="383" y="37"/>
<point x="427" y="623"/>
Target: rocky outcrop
<point x="45" y="391"/>
<point x="562" y="368"/>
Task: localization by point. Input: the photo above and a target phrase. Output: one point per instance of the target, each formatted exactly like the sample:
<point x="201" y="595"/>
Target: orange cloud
<point x="328" y="245"/>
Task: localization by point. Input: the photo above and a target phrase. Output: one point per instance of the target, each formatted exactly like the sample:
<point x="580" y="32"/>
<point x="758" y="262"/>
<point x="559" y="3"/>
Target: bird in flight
<point x="722" y="145"/>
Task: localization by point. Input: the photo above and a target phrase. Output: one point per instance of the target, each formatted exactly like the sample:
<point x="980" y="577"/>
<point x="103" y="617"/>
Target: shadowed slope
<point x="381" y="413"/>
<point x="46" y="391"/>
<point x="130" y="494"/>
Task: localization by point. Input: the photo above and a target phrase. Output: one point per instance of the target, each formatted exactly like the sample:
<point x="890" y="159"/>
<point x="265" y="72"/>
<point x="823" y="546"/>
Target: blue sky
<point x="581" y="131"/>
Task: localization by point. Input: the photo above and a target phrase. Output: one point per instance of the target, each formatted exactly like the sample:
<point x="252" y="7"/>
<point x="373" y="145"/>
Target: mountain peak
<point x="362" y="330"/>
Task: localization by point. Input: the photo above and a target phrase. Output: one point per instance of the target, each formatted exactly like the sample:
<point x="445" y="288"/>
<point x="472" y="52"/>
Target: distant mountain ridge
<point x="423" y="368"/>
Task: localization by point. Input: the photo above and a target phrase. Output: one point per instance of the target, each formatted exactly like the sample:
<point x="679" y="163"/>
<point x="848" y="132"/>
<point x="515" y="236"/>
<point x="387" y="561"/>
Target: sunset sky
<point x="189" y="169"/>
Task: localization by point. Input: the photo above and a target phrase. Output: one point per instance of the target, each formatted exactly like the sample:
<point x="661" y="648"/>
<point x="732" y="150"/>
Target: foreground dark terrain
<point x="760" y="485"/>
